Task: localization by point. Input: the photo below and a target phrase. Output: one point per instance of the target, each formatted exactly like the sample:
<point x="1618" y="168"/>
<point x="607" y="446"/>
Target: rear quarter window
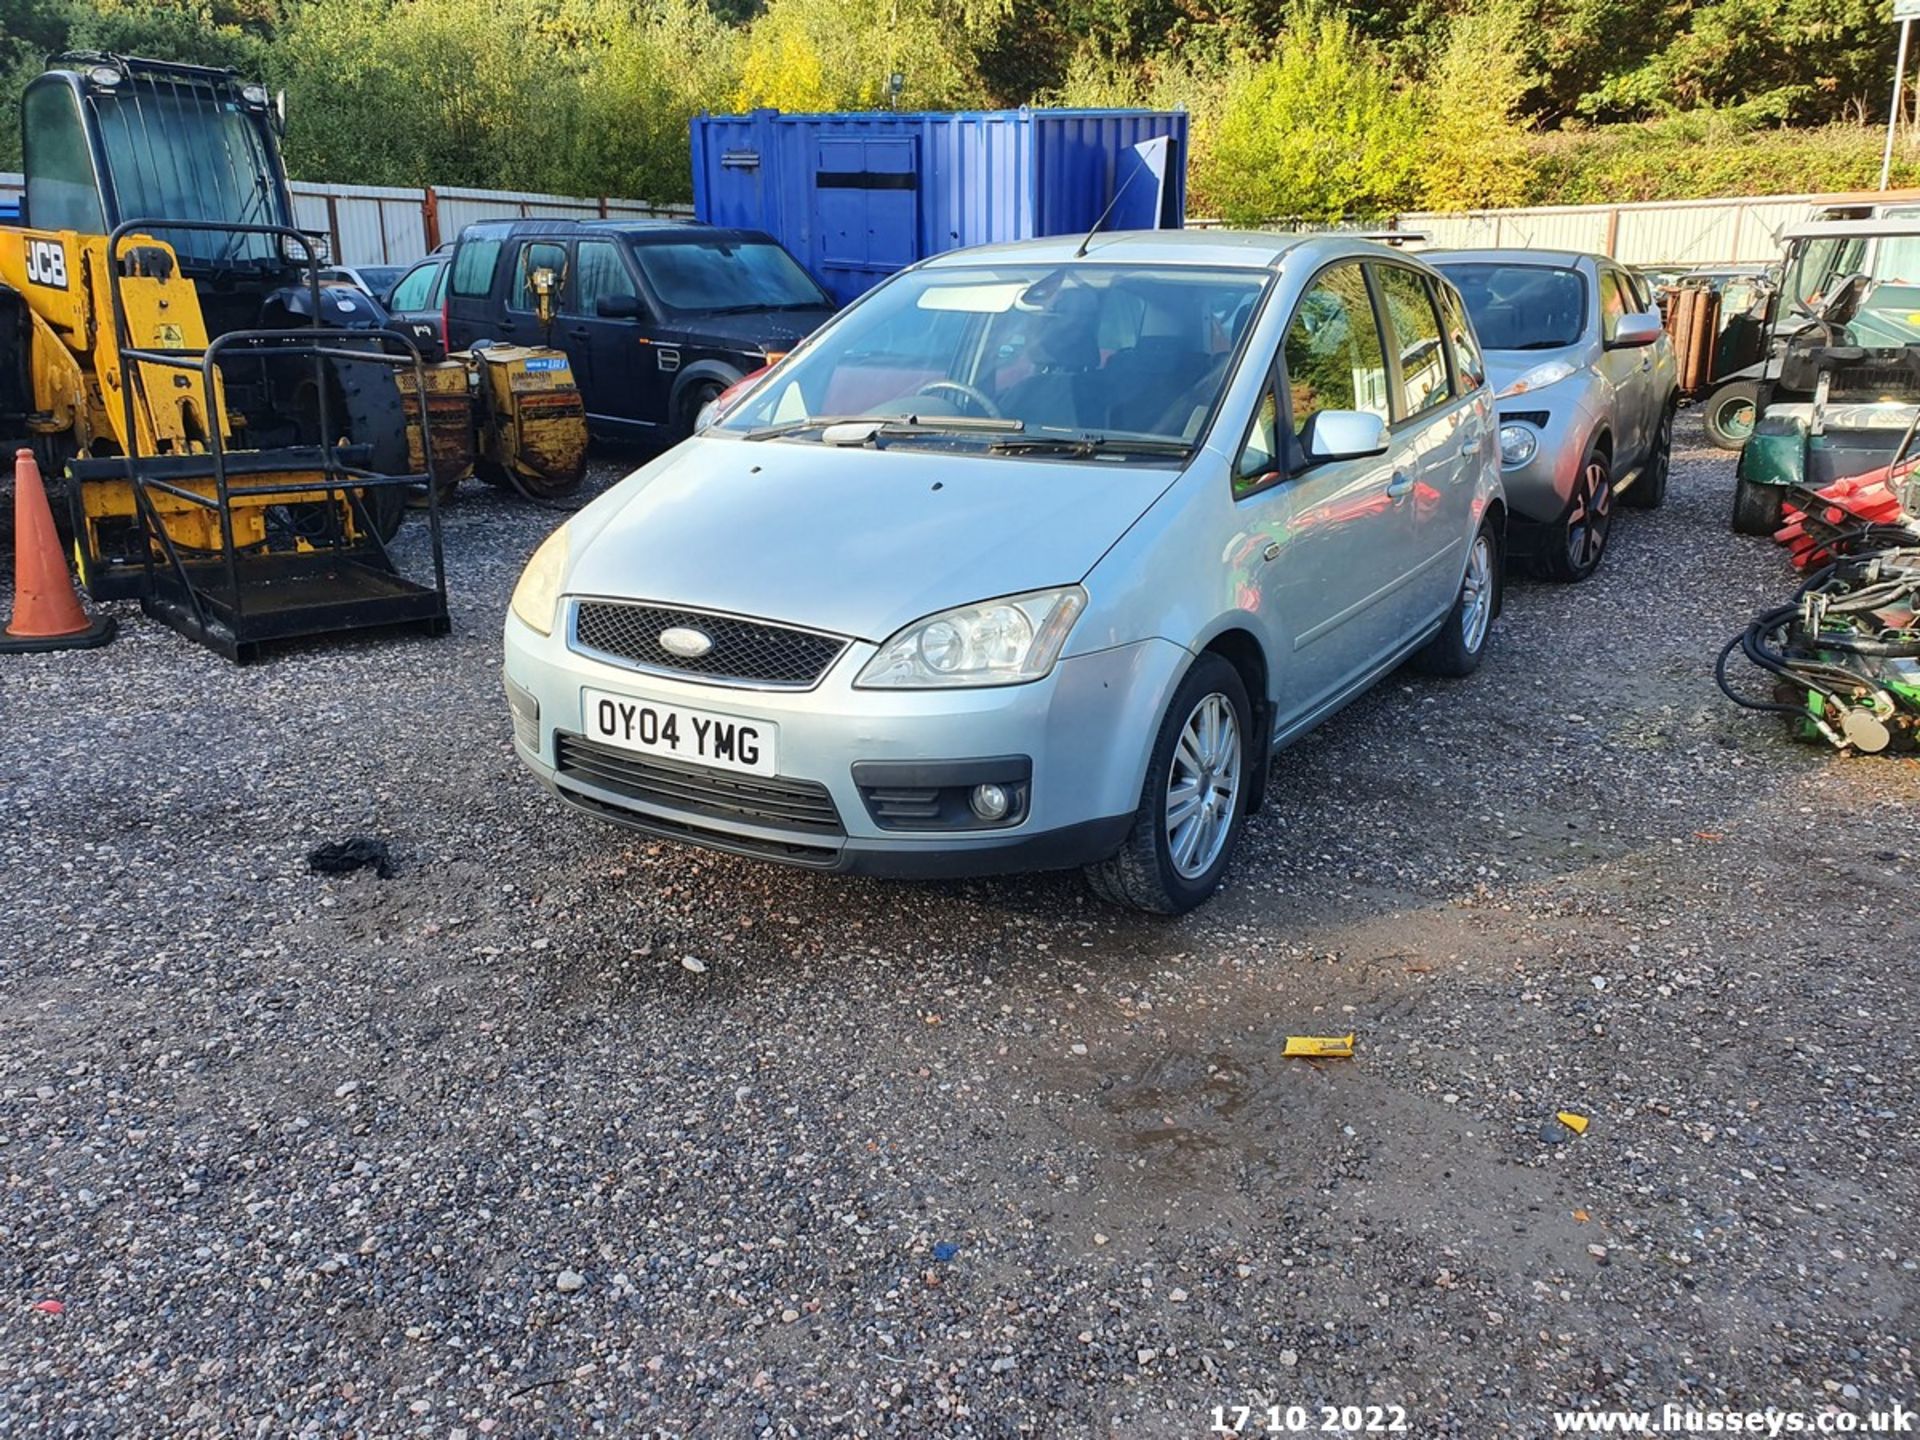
<point x="473" y="262"/>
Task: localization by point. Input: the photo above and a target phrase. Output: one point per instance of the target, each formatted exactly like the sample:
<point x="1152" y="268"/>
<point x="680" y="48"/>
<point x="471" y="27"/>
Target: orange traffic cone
<point x="46" y="609"/>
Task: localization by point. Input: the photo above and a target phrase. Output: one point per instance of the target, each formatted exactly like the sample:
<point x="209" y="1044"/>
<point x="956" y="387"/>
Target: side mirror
<point x="1343" y="435"/>
<point x="617" y="307"/>
<point x="1639" y="329"/>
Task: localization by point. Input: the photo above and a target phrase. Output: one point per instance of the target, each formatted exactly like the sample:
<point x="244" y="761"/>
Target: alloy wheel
<point x="1476" y="595"/>
<point x="1203" y="786"/>
<point x="1590" y="517"/>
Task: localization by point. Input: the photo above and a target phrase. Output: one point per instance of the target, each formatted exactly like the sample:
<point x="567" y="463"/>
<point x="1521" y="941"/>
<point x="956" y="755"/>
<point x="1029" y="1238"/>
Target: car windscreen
<point x="1522" y="306"/>
<point x="1081" y="350"/>
<point x="719" y="275"/>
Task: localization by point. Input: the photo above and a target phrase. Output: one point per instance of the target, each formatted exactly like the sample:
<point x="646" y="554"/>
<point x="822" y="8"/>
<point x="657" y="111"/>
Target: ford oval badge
<point x="685" y="641"/>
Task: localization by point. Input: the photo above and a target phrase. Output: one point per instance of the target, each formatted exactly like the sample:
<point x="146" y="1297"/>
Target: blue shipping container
<point x="856" y="197"/>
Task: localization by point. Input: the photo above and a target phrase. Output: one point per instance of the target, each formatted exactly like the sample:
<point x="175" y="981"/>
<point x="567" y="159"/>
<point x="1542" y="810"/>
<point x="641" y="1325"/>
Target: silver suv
<point x="1028" y="560"/>
<point x="1586" y="382"/>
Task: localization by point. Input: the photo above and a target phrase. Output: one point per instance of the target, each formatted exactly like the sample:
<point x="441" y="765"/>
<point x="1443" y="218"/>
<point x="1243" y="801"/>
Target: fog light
<point x="1517" y="445"/>
<point x="990" y="802"/>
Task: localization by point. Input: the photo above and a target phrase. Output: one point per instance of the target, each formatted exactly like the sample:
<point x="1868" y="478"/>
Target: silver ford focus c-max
<point x="1029" y="559"/>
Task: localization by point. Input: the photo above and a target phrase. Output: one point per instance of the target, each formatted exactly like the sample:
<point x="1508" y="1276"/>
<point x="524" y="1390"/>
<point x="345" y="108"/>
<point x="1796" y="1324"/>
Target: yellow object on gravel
<point x="1319" y="1047"/>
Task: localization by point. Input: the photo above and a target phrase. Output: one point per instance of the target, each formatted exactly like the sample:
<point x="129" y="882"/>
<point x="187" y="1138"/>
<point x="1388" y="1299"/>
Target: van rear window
<point x="473" y="266"/>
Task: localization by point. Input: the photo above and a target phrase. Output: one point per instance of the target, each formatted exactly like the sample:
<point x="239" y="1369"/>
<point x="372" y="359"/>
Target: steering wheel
<point x="966" y="392"/>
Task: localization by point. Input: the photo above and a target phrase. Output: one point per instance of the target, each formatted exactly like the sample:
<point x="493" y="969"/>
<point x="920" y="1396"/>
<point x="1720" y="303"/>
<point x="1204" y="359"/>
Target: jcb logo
<point x="47" y="263"/>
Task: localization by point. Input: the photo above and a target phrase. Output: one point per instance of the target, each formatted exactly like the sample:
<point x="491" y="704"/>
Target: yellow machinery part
<point x="78" y="372"/>
<point x="449" y="420"/>
<point x="535" y="423"/>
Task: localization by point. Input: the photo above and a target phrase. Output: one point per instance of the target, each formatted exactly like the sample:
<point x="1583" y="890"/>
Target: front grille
<point x="697" y="792"/>
<point x="745" y="652"/>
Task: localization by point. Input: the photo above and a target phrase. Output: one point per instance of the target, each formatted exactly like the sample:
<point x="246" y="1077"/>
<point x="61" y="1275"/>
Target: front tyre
<point x="1462" y="640"/>
<point x="697" y="398"/>
<point x="1580" y="539"/>
<point x="1194" y="802"/>
<point x="1649" y="491"/>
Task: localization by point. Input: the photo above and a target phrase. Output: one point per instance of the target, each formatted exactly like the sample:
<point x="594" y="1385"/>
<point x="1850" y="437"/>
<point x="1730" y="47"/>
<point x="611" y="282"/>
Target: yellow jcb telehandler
<point x="231" y="436"/>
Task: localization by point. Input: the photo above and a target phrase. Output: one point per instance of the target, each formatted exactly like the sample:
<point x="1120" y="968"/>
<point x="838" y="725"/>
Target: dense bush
<point x="1309" y="108"/>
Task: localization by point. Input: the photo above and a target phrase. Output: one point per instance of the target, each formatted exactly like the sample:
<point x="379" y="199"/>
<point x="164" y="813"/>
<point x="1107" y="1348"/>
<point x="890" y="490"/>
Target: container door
<point x="867" y="199"/>
<point x="1140" y="186"/>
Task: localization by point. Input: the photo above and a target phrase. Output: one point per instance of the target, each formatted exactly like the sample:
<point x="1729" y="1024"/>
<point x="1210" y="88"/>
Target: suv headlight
<point x="1539" y="377"/>
<point x="539" y="588"/>
<point x="997" y="642"/>
<point x="1517" y="445"/>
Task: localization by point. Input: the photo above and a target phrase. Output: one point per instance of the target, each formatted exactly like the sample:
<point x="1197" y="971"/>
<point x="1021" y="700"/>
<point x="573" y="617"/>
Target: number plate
<point x="672" y="732"/>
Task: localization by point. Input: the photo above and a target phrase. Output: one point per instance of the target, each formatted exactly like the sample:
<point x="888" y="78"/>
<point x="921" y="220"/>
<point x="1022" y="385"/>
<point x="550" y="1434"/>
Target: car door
<point x="415" y="298"/>
<point x="605" y="328"/>
<point x="1628" y="369"/>
<point x="519" y="320"/>
<point x="471" y="313"/>
<point x="1321" y="542"/>
<point x="1439" y="437"/>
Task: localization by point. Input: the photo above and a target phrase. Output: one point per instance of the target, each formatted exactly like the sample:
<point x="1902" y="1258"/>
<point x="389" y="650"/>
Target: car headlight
<point x="997" y="642"/>
<point x="1517" y="445"/>
<point x="539" y="588"/>
<point x="1539" y="377"/>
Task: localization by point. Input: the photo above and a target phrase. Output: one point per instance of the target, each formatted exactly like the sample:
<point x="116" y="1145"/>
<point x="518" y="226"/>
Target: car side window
<point x="415" y="290"/>
<point x="1467" y="361"/>
<point x="1259" y="464"/>
<point x="538" y="255"/>
<point x="1334" y="357"/>
<point x="599" y="274"/>
<point x="1613" y="305"/>
<point x="1415" y="327"/>
<point x="473" y="262"/>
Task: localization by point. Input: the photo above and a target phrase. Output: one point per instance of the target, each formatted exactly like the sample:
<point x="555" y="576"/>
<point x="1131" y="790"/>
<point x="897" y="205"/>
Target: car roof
<point x="1512" y="254"/>
<point x="1263" y="249"/>
<point x="639" y="230"/>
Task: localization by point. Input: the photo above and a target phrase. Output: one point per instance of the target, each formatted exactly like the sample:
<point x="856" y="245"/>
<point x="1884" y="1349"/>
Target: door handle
<point x="1402" y="483"/>
<point x="1469" y="447"/>
<point x="580" y="332"/>
<point x="1646" y="362"/>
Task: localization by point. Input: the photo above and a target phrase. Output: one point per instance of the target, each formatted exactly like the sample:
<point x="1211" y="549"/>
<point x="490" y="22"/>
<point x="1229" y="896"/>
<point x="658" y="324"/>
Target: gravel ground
<point x="561" y="1131"/>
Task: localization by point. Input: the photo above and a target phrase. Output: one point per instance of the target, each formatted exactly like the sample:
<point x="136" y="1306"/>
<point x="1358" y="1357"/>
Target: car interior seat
<point x="1065" y="390"/>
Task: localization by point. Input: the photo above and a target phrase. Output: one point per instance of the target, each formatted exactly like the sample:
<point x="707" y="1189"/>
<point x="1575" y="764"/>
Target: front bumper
<point x="1083" y="733"/>
<point x="1539" y="491"/>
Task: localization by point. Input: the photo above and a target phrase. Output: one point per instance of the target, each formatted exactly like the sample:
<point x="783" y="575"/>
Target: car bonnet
<point x="853" y="541"/>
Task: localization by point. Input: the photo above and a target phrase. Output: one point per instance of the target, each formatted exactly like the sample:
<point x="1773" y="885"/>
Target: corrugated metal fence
<point x="1674" y="232"/>
<point x="372" y="225"/>
<point x="391" y="225"/>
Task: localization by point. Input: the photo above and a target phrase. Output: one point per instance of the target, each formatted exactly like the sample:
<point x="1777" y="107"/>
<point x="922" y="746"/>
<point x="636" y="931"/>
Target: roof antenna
<point x="1081" y="253"/>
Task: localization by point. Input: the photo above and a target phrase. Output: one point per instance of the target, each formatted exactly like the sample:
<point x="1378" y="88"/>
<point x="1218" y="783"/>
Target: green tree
<point x="1323" y="129"/>
<point x="838" y="54"/>
<point x="1783" y="60"/>
<point x="1475" y="150"/>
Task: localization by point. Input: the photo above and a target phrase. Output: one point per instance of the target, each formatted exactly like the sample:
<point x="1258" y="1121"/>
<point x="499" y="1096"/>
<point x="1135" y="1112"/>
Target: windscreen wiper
<point x="1085" y="446"/>
<point x="894" y="425"/>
